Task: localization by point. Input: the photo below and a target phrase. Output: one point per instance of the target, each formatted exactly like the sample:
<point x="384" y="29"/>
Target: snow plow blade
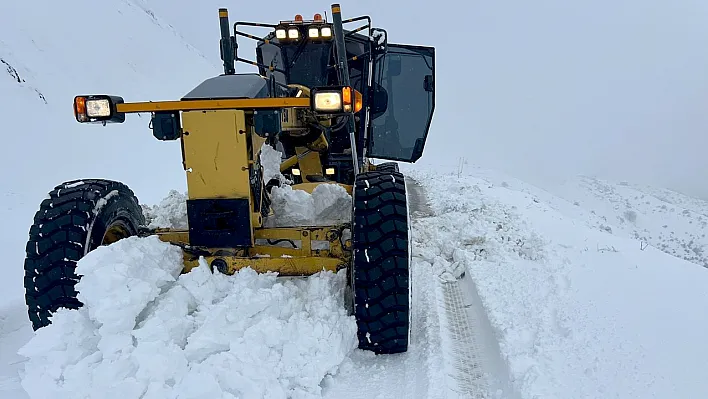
<point x="287" y="251"/>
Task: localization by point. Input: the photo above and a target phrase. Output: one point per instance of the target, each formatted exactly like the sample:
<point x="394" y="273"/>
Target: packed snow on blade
<point x="147" y="331"/>
<point x="327" y="204"/>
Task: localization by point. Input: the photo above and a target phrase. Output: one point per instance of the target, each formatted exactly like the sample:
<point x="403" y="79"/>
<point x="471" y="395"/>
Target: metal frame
<point x="297" y="260"/>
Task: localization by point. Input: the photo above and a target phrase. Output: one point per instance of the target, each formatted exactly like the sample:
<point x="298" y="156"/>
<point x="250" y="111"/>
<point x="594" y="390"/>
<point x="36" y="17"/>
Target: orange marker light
<point x="347" y="96"/>
<point x="80" y="109"/>
<point x="358" y="101"/>
<point x="318" y="17"/>
<point x="80" y="105"/>
<point x="298" y="18"/>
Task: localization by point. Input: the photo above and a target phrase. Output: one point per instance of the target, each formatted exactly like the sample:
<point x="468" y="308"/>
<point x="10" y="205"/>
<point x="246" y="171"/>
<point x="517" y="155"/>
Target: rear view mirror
<point x="379" y="101"/>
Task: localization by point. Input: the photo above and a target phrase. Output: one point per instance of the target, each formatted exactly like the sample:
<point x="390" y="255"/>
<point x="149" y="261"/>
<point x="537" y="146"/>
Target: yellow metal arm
<point x="205" y="105"/>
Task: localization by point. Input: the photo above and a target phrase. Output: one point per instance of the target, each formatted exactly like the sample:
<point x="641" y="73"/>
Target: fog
<point x="542" y="90"/>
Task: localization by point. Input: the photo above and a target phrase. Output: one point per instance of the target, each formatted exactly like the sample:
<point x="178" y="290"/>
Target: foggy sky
<point x="545" y="89"/>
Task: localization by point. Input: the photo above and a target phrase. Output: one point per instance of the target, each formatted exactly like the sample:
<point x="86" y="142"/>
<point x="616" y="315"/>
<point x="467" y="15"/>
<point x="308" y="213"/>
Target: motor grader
<point x="331" y="100"/>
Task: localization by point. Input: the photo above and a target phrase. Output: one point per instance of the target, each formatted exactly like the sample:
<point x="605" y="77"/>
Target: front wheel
<point x="76" y="218"/>
<point x="380" y="270"/>
<point x="387" y="167"/>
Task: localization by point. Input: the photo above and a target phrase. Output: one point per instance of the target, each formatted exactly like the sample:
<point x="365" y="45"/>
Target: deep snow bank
<point x="146" y="330"/>
<point x="578" y="312"/>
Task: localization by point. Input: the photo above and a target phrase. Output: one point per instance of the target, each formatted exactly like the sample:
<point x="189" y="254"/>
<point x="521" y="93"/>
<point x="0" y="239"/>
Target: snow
<point x="171" y="212"/>
<point x="52" y="51"/>
<point x="103" y="201"/>
<point x="328" y="204"/>
<point x="670" y="221"/>
<point x="146" y="330"/>
<point x="271" y="159"/>
<point x="578" y="311"/>
<point x="590" y="288"/>
<point x="517" y="293"/>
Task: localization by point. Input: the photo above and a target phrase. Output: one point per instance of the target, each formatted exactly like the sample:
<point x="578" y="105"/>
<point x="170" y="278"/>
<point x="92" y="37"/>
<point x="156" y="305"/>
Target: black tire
<point x="380" y="270"/>
<point x="387" y="167"/>
<point x="77" y="217"/>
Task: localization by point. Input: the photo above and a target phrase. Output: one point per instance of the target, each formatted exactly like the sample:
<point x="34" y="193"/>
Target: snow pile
<point x="328" y="204"/>
<point x="147" y="331"/>
<point x="171" y="212"/>
<point x="578" y="312"/>
<point x="270" y="160"/>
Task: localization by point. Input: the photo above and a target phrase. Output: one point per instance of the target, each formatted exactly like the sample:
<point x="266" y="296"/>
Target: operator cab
<point x="398" y="96"/>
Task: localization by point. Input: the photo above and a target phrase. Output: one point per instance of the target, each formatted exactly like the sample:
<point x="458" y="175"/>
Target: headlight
<point x="280" y="33"/>
<point x="328" y="101"/>
<point x="98" y="108"/>
<point x="336" y="99"/>
<point x="313" y="32"/>
<point x="293" y="33"/>
<point x="326" y="31"/>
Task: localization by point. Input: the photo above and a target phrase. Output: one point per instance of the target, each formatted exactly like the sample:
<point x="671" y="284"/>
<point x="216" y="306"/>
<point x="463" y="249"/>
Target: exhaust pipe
<point x="227" y="43"/>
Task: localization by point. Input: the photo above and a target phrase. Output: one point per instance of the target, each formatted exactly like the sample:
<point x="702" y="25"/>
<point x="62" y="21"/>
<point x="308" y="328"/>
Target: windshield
<point x="306" y="65"/>
<point x="309" y="65"/>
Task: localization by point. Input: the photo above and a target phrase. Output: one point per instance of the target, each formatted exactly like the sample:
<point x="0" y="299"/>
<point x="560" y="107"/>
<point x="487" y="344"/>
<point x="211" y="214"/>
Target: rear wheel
<point x="380" y="272"/>
<point x="76" y="218"/>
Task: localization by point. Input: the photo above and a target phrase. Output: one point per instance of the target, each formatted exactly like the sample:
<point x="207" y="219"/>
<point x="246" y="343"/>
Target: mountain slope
<point x="51" y="51"/>
<point x="667" y="220"/>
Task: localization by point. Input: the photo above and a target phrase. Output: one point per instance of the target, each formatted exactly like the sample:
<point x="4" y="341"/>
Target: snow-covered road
<point x="516" y="294"/>
<point x="452" y="350"/>
<point x="15" y="331"/>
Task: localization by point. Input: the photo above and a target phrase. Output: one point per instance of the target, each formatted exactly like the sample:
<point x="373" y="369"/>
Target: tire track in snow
<point x="471" y="346"/>
<point x="465" y="347"/>
<point x="471" y="350"/>
<point x="416" y="374"/>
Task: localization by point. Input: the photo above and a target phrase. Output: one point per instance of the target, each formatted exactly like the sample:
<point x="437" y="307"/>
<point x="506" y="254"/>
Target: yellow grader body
<point x="330" y="101"/>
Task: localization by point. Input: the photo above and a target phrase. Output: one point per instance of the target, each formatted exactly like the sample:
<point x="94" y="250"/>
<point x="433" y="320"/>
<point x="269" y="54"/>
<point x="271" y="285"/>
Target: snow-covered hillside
<point x="51" y="51"/>
<point x="667" y="220"/>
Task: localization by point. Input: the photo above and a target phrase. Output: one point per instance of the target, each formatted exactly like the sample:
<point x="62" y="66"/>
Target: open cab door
<point x="403" y="103"/>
